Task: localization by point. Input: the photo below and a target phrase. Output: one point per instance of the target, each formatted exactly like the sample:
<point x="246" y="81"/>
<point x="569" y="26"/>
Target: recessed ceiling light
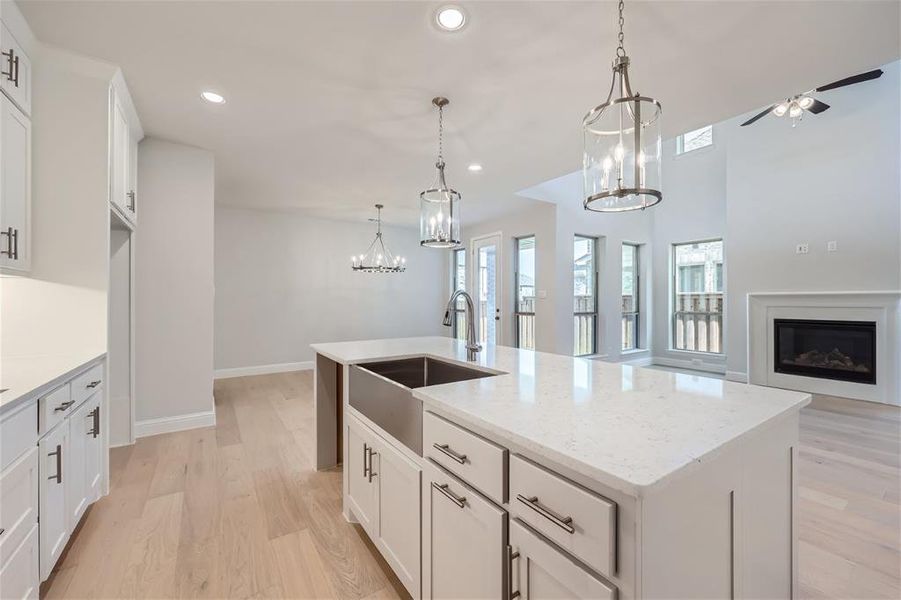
<point x="474" y="167"/>
<point x="450" y="18"/>
<point x="213" y="97"/>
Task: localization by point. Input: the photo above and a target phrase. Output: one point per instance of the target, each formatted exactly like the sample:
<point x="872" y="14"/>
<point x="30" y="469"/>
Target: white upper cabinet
<point x="123" y="159"/>
<point x="15" y="70"/>
<point x="15" y="187"/>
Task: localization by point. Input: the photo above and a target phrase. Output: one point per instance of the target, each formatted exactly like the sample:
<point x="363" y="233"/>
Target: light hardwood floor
<point x="237" y="510"/>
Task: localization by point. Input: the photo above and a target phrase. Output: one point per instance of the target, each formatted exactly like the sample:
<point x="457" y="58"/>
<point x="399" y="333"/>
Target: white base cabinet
<point x="54" y="516"/>
<point x="19" y="577"/>
<point x="383" y="493"/>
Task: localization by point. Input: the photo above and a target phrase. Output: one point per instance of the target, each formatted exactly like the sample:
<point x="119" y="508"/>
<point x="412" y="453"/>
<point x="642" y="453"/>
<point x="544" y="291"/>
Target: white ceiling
<point x="329" y="102"/>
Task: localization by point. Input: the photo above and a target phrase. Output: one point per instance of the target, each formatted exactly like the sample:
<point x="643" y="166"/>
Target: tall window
<point x="524" y="311"/>
<point x="694" y="140"/>
<point x="698" y="296"/>
<point x="585" y="289"/>
<point x="459" y="283"/>
<point x="630" y="297"/>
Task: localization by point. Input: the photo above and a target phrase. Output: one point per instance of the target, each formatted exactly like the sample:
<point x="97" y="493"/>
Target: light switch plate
<point x="802" y="249"/>
<point x="832" y="246"/>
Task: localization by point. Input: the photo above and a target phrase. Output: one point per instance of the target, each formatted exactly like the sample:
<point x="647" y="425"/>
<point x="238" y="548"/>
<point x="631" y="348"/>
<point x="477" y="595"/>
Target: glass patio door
<point x="486" y="260"/>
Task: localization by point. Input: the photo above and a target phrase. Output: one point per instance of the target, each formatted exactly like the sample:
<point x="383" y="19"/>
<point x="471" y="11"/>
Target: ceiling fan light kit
<point x="378" y="258"/>
<point x="622" y="145"/>
<point x="439" y="215"/>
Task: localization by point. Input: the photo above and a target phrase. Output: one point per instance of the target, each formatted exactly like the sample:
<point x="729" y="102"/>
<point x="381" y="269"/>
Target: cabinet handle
<point x="131" y="200"/>
<point x="59" y="464"/>
<point x="94" y="415"/>
<point x="444" y="489"/>
<point x="564" y="523"/>
<point x="446" y="450"/>
<point x="13" y="64"/>
<point x="371" y="474"/>
<point x="365" y="460"/>
<point x="2" y="530"/>
<point x="64" y="406"/>
<point x="12" y="243"/>
<point x="94" y="384"/>
<point x="511" y="556"/>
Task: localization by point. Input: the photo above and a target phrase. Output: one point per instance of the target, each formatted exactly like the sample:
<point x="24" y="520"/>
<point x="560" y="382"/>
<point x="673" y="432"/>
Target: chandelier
<point x="378" y="259"/>
<point x="439" y="216"/>
<point x="622" y="145"/>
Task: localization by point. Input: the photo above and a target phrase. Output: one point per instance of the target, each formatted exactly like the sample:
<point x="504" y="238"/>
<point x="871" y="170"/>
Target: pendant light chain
<point x="441" y="134"/>
<point x="620" y="50"/>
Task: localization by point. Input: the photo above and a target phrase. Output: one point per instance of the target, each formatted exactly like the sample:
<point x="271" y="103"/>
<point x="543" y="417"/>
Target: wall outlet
<point x="802" y="248"/>
<point x="832" y="246"/>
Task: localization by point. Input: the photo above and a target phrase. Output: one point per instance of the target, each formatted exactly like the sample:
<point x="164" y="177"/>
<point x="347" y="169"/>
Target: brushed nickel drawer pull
<point x="446" y="450"/>
<point x="444" y="489"/>
<point x="2" y="530"/>
<point x="59" y="464"/>
<point x="371" y="472"/>
<point x="13" y="62"/>
<point x="64" y="406"/>
<point x="94" y="384"/>
<point x="365" y="460"/>
<point x="564" y="523"/>
<point x="12" y="243"/>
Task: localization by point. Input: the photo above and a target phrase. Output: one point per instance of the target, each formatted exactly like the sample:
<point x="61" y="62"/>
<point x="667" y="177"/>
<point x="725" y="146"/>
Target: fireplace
<point x="841" y="350"/>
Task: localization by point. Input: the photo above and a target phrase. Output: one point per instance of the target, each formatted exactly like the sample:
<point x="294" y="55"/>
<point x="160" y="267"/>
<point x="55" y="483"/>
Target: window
<point x="585" y="291"/>
<point x="459" y="283"/>
<point x="698" y="296"/>
<point x="524" y="311"/>
<point x="694" y="140"/>
<point x="630" y="297"/>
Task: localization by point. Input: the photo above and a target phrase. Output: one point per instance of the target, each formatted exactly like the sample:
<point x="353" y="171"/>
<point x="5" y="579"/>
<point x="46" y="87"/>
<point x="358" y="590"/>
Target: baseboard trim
<point x="687" y="364"/>
<point x="147" y="427"/>
<point x="738" y="376"/>
<point x="644" y="361"/>
<point x="306" y="365"/>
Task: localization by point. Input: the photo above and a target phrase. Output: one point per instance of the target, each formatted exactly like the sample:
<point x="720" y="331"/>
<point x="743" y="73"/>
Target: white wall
<point x="833" y="177"/>
<point x="284" y="281"/>
<point x="174" y="282"/>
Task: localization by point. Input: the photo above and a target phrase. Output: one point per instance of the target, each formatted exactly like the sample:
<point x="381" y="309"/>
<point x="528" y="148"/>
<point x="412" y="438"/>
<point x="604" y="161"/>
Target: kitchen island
<point x="579" y="478"/>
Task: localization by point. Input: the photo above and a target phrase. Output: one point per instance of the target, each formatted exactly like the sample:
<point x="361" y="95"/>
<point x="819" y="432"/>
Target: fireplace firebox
<point x="841" y="350"/>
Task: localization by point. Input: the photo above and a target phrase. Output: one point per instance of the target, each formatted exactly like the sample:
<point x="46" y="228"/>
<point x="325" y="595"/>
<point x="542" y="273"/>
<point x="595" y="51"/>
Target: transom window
<point x="694" y="140"/>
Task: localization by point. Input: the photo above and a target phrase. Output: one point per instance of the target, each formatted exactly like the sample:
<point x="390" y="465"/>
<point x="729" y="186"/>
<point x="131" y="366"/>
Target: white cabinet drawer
<point x="15" y="67"/>
<point x="18" y="503"/>
<point x="19" y="577"/>
<point x="539" y="571"/>
<point x="55" y="407"/>
<point x="18" y="433"/>
<point x="579" y="521"/>
<point x="474" y="459"/>
<point x="84" y="385"/>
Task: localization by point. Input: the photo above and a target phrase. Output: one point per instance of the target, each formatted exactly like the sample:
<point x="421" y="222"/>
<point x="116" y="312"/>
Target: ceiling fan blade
<point x="758" y="116"/>
<point x="875" y="74"/>
<point x="817" y="107"/>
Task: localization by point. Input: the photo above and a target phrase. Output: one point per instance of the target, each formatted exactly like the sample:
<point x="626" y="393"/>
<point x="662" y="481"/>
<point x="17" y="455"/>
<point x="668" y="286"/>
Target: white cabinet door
<point x="80" y="423"/>
<point x="119" y="159"/>
<point x="463" y="539"/>
<point x="94" y="449"/>
<point x="539" y="571"/>
<point x="19" y="577"/>
<point x="54" y="449"/>
<point x="15" y="70"/>
<point x="399" y="484"/>
<point x="131" y="180"/>
<point x="15" y="187"/>
<point x="363" y="468"/>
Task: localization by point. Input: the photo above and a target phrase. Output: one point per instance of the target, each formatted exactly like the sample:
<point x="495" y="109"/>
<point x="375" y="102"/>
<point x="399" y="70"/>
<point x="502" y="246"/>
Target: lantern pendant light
<point x="439" y="217"/>
<point x="378" y="258"/>
<point x="622" y="145"/>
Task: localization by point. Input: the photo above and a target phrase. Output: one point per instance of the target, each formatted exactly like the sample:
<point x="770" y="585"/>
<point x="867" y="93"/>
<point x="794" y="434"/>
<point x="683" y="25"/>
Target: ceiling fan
<point x="795" y="106"/>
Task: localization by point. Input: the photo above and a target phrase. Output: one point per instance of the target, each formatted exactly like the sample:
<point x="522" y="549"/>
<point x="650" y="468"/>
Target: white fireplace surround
<point x="883" y="307"/>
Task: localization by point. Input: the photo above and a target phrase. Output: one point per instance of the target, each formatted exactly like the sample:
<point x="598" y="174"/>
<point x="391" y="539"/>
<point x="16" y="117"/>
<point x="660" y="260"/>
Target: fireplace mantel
<point x="881" y="307"/>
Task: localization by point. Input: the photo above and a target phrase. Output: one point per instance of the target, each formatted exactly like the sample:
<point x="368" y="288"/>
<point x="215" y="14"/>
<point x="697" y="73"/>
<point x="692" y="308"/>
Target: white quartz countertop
<point x="627" y="427"/>
<point x="27" y="377"/>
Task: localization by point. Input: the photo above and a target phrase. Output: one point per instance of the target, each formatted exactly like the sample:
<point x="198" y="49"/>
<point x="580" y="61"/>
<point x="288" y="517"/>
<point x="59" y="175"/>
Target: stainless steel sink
<point x="383" y="391"/>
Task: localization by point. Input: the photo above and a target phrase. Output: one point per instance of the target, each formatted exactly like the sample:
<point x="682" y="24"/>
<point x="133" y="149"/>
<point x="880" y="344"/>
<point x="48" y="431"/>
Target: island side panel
<point x="328" y="406"/>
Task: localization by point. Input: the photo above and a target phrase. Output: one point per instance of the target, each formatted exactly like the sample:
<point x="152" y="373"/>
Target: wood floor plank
<point x="150" y="570"/>
<point x="302" y="570"/>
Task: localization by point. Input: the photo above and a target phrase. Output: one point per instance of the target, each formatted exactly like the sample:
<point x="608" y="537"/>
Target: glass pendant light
<point x="439" y="216"/>
<point x="622" y="145"/>
<point x="378" y="258"/>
